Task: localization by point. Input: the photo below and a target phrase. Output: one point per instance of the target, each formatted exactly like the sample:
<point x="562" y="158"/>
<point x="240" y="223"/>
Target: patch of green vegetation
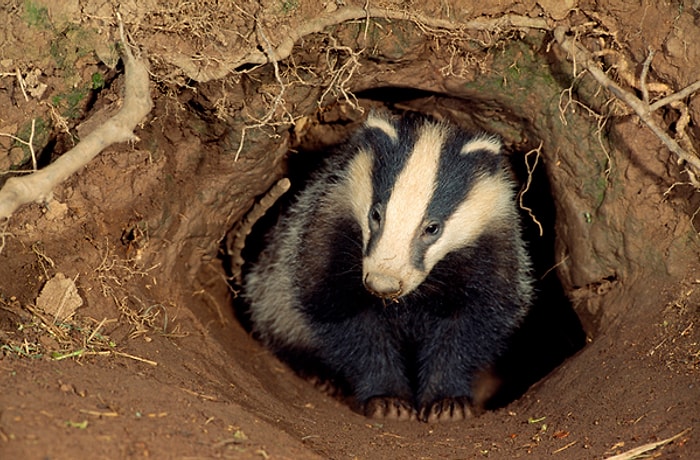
<point x="69" y="46"/>
<point x="24" y="350"/>
<point x="289" y="5"/>
<point x="98" y="81"/>
<point x="36" y="15"/>
<point x="68" y="103"/>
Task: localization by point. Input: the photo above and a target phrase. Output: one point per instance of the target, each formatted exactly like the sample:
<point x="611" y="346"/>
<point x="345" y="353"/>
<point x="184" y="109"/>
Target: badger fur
<point x="399" y="272"/>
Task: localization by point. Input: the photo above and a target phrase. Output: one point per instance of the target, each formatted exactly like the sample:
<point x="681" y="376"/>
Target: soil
<point x="146" y="358"/>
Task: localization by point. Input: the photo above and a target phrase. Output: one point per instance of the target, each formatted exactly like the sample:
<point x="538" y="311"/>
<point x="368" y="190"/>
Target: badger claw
<point x="390" y="408"/>
<point x="447" y="410"/>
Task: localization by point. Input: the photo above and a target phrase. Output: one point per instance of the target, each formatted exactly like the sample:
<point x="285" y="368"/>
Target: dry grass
<point x="116" y="276"/>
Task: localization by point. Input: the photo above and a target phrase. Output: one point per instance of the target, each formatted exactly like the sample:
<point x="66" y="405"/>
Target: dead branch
<point x="137" y="103"/>
<point x="583" y="57"/>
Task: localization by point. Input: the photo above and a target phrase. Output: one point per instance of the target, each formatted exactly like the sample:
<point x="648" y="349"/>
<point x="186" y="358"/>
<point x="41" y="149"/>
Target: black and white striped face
<point x="421" y="189"/>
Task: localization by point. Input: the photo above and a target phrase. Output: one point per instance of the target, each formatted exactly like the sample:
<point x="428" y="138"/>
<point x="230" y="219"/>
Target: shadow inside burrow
<point x="550" y="333"/>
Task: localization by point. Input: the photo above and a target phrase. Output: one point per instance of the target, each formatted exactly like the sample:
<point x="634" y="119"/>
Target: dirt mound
<point x="117" y="325"/>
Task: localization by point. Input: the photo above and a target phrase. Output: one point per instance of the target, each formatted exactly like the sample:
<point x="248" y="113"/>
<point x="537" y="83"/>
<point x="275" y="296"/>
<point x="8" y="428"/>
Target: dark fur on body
<point x="415" y="355"/>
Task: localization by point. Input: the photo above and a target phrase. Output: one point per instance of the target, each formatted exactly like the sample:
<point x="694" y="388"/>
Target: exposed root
<point x="426" y="24"/>
<point x="137" y="103"/>
<point x="237" y="236"/>
<point x="341" y="74"/>
<point x="641" y="107"/>
<point x="601" y="120"/>
<point x="530" y="171"/>
<point x="29" y="143"/>
<point x="4" y="234"/>
<point x="278" y="100"/>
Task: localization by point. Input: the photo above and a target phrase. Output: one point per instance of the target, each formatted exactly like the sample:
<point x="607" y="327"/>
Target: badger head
<point x="421" y="189"/>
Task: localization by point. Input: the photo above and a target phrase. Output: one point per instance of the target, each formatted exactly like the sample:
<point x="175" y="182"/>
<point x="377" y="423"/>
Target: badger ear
<point x="491" y="144"/>
<point x="384" y="123"/>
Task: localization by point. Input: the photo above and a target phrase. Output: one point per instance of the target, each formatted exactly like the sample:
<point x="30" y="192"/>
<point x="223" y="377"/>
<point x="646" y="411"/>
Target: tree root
<point x="37" y="186"/>
<point x="642" y="108"/>
<point x="353" y="13"/>
<point x="235" y="240"/>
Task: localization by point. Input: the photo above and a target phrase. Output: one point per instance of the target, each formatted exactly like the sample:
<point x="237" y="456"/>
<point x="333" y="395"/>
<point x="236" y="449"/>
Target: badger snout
<point x="384" y="286"/>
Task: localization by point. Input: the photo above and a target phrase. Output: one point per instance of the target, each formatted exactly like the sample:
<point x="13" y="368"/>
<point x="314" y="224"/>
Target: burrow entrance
<point x="552" y="331"/>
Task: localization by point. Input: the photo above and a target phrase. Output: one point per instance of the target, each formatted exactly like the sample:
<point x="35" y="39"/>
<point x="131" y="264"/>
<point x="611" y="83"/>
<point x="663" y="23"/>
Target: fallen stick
<point x="37" y="186"/>
<point x="637" y="452"/>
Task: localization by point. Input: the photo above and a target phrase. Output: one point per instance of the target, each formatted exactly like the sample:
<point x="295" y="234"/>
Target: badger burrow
<point x="398" y="274"/>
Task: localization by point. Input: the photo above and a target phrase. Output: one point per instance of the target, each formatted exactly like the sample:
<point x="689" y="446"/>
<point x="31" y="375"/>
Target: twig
<point x="637" y="451"/>
<point x="29" y="143"/>
<point x="561" y="449"/>
<point x="135" y="358"/>
<point x="137" y="103"/>
<point x="643" y="110"/>
<point x="4" y="234"/>
<point x="22" y="84"/>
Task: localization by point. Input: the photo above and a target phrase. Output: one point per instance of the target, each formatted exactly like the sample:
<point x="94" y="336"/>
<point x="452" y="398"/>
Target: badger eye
<point x="375" y="217"/>
<point x="432" y="229"/>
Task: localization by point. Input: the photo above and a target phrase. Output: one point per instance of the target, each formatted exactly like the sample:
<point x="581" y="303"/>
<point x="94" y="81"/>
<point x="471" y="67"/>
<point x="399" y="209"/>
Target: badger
<point x="399" y="272"/>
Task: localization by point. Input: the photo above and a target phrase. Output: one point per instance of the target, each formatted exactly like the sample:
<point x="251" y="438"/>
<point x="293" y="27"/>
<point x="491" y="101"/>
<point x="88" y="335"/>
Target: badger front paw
<point x="390" y="408"/>
<point x="446" y="410"/>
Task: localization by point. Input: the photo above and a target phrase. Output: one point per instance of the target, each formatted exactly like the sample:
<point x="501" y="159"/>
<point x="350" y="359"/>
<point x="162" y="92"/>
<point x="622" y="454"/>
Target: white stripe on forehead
<point x="408" y="202"/>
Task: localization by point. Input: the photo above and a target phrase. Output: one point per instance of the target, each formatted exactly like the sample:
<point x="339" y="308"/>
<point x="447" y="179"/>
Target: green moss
<point x="36" y="15"/>
<point x="68" y="103"/>
<point x="98" y="81"/>
<point x="69" y="46"/>
<point x="289" y="5"/>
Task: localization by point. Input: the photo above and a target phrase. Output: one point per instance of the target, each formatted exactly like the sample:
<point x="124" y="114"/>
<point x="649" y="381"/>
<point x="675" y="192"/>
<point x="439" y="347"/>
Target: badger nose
<point x="383" y="285"/>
